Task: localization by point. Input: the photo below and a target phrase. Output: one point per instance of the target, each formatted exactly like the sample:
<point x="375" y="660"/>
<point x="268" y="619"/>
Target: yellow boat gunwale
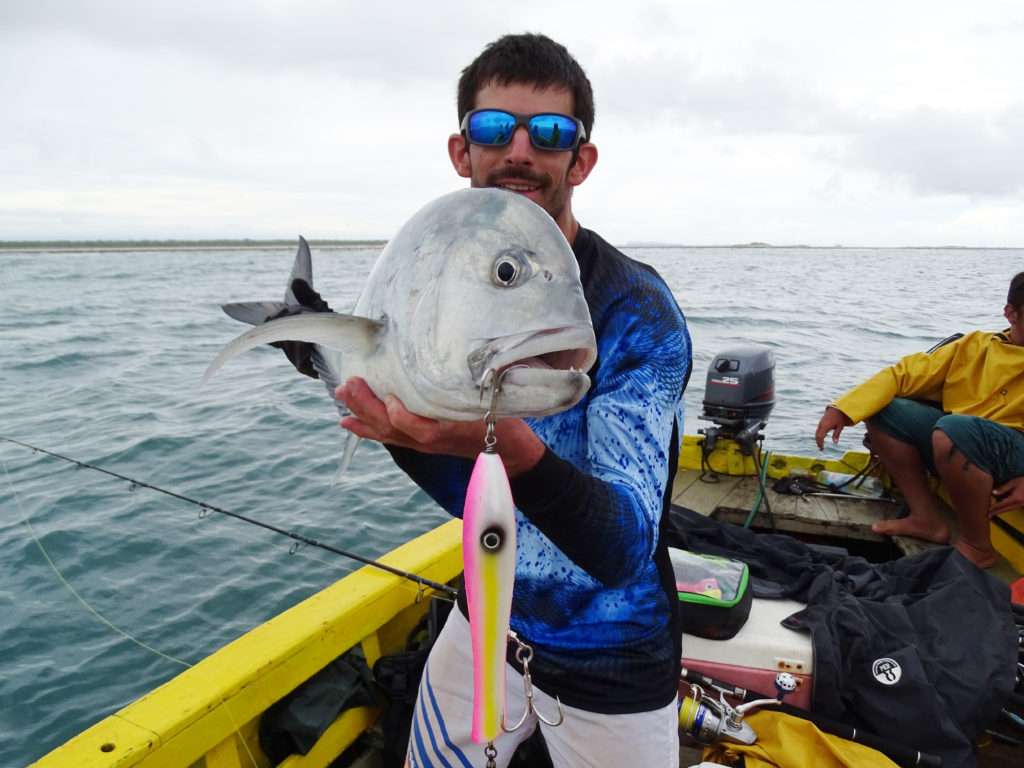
<point x="207" y="712"/>
<point x="203" y="712"/>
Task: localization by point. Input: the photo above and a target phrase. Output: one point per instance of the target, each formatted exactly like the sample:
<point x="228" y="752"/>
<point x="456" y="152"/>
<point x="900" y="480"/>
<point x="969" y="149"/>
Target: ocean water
<point x="100" y="357"/>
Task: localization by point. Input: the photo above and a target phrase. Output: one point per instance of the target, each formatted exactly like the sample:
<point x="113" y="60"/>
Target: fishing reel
<point x="708" y="721"/>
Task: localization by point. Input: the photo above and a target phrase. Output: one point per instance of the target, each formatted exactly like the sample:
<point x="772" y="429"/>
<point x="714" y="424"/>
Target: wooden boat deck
<point x="732" y="497"/>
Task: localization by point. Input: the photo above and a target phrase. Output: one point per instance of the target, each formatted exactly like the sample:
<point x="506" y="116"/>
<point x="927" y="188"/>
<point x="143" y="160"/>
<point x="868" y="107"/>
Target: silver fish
<point x="476" y="280"/>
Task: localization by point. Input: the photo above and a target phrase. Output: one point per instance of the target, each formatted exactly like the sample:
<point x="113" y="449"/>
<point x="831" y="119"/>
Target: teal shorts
<point x="996" y="449"/>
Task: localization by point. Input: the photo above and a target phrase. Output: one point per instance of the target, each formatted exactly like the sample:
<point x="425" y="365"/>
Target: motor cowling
<point x="740" y="387"/>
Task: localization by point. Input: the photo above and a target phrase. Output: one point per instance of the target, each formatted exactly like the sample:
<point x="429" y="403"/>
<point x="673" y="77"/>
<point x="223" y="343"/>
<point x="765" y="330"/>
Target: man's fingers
<point x="360" y="429"/>
<point x="1008" y="502"/>
<point x="357" y="395"/>
<point x="823" y="429"/>
<point x="1001" y="506"/>
<point x="836" y="432"/>
<point x="386" y="421"/>
<point x="420" y="429"/>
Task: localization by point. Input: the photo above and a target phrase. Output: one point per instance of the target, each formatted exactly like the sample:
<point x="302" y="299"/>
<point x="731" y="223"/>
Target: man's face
<point x="545" y="177"/>
<point x="1015" y="317"/>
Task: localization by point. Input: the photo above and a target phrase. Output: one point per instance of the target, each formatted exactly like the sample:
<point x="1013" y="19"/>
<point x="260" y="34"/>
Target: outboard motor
<point x="739" y="395"/>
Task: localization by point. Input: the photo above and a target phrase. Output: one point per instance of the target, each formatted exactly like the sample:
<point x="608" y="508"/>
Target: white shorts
<point x="442" y="719"/>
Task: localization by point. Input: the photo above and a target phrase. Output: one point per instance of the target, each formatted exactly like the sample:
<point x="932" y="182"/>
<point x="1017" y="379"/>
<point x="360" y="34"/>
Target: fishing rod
<point x="205" y="508"/>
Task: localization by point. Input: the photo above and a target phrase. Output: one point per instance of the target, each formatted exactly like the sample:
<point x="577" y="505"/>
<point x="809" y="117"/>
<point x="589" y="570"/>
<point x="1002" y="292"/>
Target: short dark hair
<point x="1015" y="296"/>
<point x="529" y="59"/>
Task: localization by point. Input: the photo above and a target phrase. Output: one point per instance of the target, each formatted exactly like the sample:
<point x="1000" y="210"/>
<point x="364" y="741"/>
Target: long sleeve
<point x="443" y="478"/>
<point x="920" y="375"/>
<point x="603" y="512"/>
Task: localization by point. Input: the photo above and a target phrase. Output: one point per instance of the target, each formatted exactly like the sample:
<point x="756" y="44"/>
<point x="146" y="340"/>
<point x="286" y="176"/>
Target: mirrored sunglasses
<point x="548" y="130"/>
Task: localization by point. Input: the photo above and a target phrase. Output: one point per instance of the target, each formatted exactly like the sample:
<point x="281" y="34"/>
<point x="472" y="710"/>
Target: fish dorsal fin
<point x="345" y="333"/>
<point x="254" y="312"/>
<point x="302" y="269"/>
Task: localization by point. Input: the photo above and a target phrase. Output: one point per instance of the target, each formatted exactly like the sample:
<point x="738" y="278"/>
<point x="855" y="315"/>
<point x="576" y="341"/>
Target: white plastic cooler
<point x="760" y="650"/>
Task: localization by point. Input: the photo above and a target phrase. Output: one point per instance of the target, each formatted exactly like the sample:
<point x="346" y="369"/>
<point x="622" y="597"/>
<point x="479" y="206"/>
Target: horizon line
<point x="225" y="242"/>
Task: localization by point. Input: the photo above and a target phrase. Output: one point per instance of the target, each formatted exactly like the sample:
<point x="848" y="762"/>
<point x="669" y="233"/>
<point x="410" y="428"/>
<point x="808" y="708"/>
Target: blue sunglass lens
<point x="491" y="128"/>
<point x="495" y="128"/>
<point x="553" y="131"/>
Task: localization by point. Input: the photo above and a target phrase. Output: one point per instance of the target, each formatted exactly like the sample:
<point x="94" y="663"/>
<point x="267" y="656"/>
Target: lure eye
<point x="492" y="539"/>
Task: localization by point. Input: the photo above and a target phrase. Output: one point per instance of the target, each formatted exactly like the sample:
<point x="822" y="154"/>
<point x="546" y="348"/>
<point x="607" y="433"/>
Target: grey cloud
<point x="934" y="151"/>
<point x="945" y="152"/>
<point x="754" y="101"/>
<point x="352" y="39"/>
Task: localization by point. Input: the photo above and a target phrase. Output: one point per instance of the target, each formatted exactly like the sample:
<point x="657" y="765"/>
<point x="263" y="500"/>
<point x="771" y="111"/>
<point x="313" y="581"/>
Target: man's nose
<point x="520" y="150"/>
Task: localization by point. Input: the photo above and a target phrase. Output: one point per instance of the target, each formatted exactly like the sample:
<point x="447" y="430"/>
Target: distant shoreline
<point x="135" y="246"/>
<point x="90" y="246"/>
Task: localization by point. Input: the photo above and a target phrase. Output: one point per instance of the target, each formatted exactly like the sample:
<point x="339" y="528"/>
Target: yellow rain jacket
<point x="784" y="741"/>
<point x="981" y="374"/>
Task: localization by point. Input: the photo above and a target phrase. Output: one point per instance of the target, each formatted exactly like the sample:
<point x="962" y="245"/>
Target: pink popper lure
<point x="489" y="562"/>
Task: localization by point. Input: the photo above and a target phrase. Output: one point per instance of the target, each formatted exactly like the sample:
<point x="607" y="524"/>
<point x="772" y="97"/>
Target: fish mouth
<point x="537" y="355"/>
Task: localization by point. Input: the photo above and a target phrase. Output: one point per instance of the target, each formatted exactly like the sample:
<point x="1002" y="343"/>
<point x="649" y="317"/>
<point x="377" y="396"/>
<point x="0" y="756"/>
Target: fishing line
<point x="99" y="616"/>
<point x="205" y="508"/>
<point x="60" y="576"/>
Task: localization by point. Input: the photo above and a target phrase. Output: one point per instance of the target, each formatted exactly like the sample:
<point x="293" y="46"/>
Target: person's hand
<point x="300" y="353"/>
<point x="389" y="421"/>
<point x="1007" y="496"/>
<point x="833" y="420"/>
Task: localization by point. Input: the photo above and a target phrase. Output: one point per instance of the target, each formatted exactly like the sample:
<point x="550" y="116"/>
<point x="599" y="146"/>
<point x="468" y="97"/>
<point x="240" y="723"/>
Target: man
<point x="969" y="431"/>
<point x="594" y="593"/>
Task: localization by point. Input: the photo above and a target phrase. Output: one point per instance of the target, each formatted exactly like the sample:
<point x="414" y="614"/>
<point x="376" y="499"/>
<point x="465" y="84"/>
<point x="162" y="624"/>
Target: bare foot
<point x="930" y="527"/>
<point x="983" y="557"/>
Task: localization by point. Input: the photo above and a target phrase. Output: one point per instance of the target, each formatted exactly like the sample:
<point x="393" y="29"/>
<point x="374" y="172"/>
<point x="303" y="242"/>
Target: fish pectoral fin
<point x="254" y="312"/>
<point x="345" y="333"/>
<point x="346" y="457"/>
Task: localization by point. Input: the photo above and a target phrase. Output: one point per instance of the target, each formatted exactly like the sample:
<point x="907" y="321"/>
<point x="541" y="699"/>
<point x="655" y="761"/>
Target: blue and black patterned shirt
<point x="594" y="592"/>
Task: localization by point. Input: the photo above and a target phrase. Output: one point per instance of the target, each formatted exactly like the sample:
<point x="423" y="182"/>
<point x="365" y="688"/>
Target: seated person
<point x="958" y="412"/>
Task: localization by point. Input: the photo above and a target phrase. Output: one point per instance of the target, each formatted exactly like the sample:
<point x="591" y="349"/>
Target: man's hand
<point x="833" y="420"/>
<point x="388" y="421"/>
<point x="1007" y="496"/>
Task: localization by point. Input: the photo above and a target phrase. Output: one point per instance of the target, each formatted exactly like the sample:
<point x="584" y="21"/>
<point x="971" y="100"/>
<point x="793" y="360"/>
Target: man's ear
<point x="1010" y="313"/>
<point x="586" y="159"/>
<point x="458" y="152"/>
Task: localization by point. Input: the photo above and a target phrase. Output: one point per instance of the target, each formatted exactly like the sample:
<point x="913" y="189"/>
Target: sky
<point x="823" y="122"/>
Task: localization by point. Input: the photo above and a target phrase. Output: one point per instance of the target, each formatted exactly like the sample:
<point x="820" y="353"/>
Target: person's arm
<point x="832" y="421"/>
<point x="437" y="455"/>
<point x="606" y="520"/>
<point x="920" y="375"/>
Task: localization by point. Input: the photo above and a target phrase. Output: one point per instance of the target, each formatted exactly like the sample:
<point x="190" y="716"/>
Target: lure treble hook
<point x="524" y="653"/>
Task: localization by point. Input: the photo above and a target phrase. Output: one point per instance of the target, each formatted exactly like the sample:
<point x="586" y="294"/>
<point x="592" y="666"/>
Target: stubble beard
<point x="552" y="199"/>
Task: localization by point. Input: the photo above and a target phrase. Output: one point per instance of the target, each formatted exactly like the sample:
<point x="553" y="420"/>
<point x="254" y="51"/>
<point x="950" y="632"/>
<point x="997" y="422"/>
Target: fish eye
<point x="511" y="267"/>
<point x="506" y="271"/>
